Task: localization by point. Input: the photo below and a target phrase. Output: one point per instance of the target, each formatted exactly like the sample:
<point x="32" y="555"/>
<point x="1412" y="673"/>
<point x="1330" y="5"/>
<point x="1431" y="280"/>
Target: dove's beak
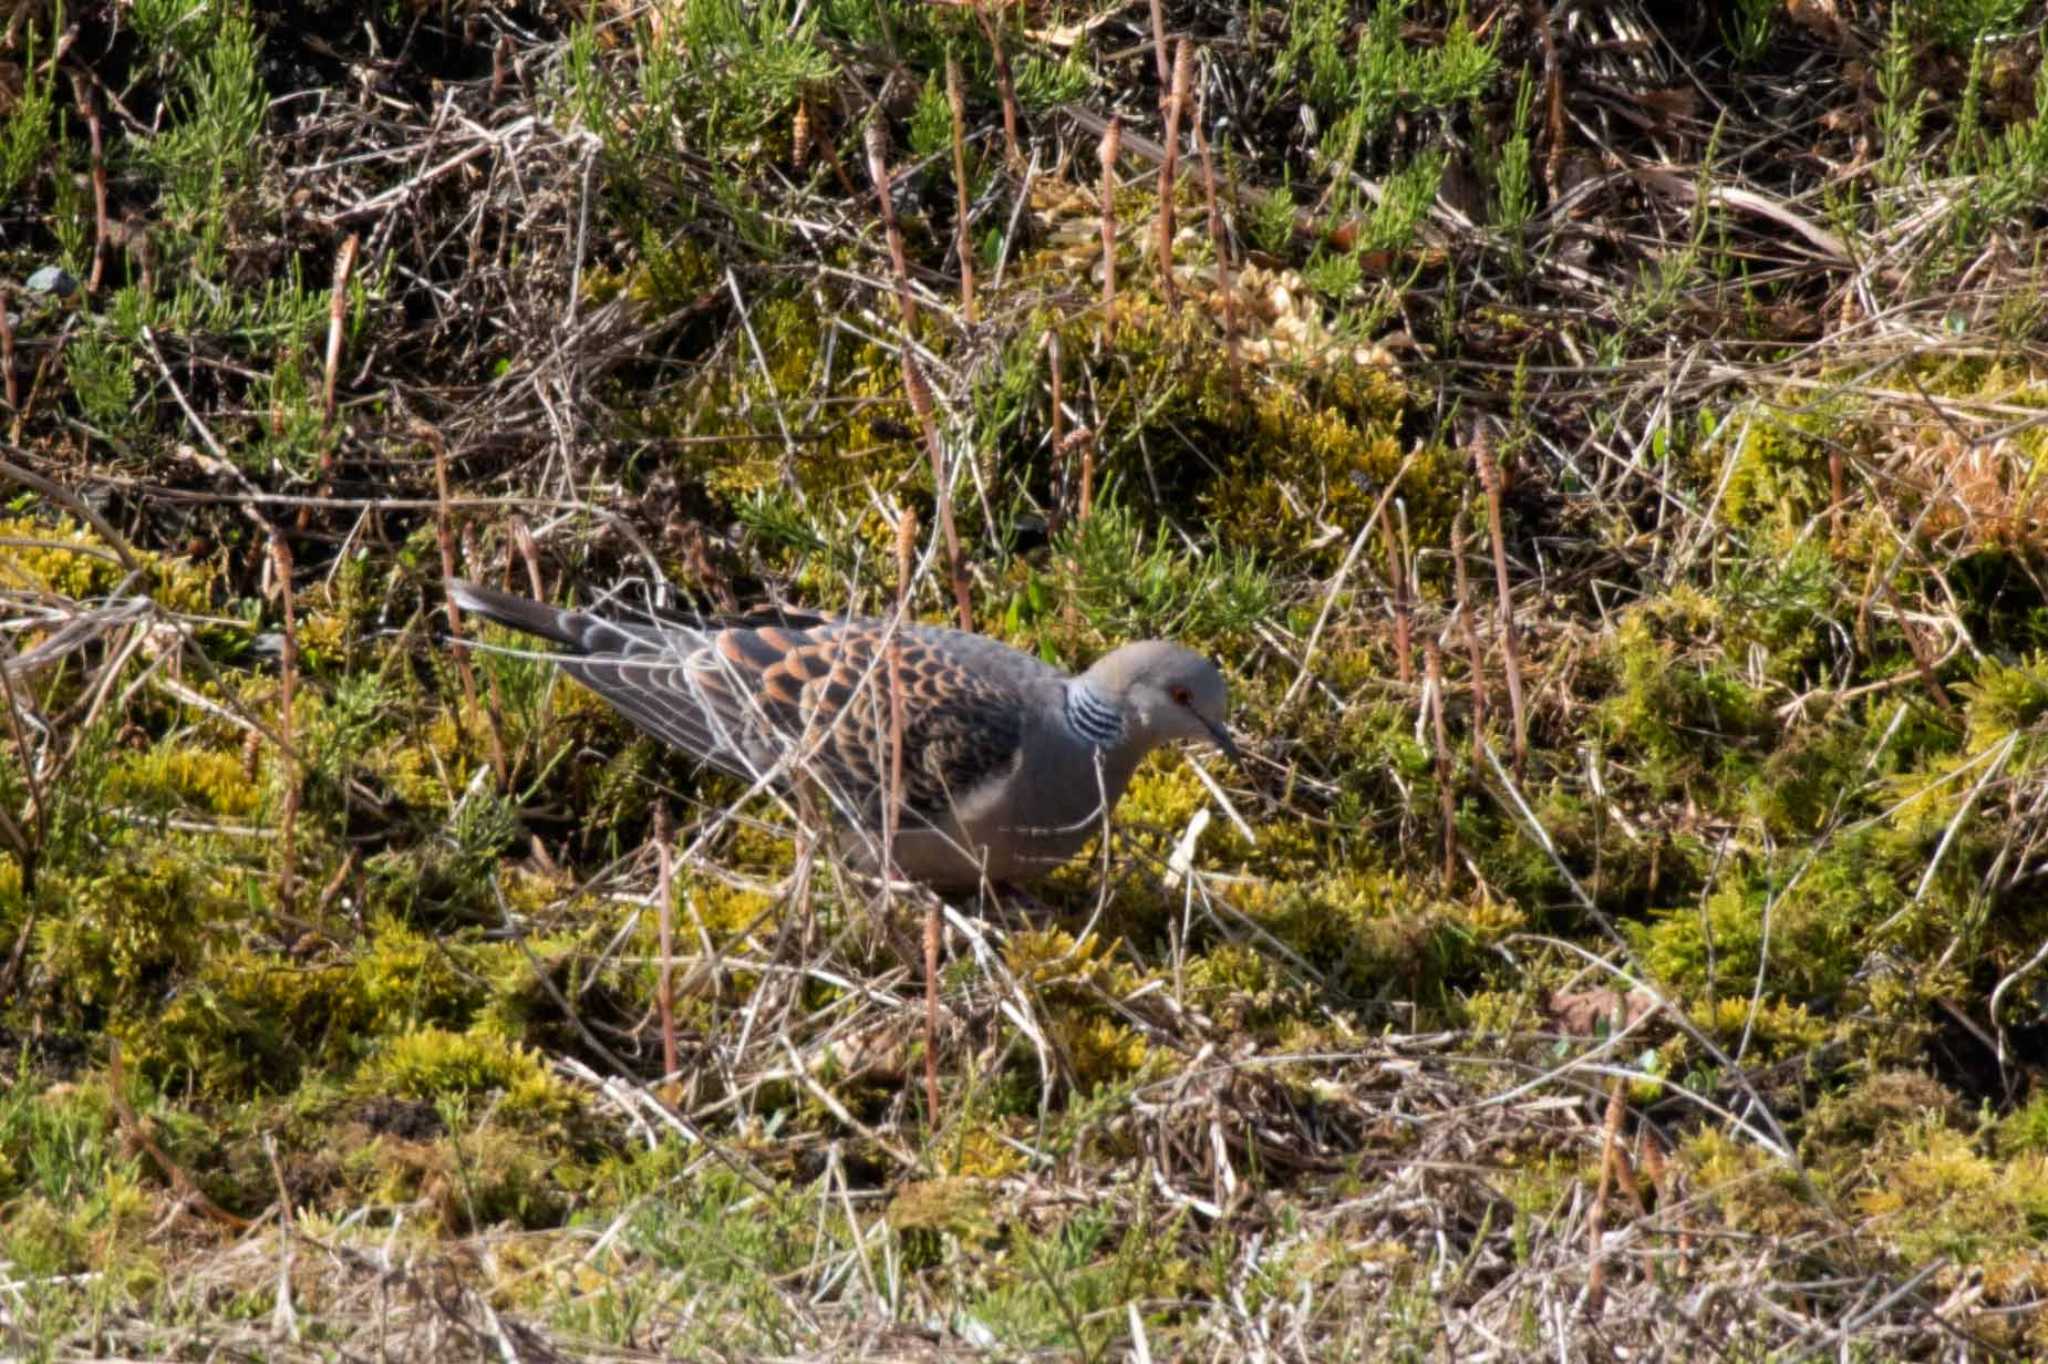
<point x="1223" y="740"/>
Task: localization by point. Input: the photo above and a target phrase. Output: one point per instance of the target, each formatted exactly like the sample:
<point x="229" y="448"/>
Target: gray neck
<point x="1093" y="717"/>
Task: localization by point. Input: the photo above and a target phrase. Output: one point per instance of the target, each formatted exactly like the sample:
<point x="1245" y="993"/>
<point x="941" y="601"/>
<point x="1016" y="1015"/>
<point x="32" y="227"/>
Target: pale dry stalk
<point x="1489" y="478"/>
<point x="942" y="492"/>
<point x="906" y="558"/>
<point x="337" y="316"/>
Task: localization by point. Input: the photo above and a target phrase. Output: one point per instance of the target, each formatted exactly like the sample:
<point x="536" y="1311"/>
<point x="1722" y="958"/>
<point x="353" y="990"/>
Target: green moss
<point x="138" y="920"/>
<point x="1779" y="475"/>
<point x="180" y="778"/>
<point x="1816" y="928"/>
<point x="431" y="1063"/>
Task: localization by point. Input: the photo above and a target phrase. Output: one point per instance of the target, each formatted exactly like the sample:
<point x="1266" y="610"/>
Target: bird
<point x="1008" y="764"/>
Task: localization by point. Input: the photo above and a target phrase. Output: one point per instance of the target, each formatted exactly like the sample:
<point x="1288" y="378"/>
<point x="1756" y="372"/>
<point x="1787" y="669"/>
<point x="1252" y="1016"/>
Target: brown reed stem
<point x="1475" y="660"/>
<point x="876" y="140"/>
<point x="81" y="89"/>
<point x="529" y="554"/>
<point x="913" y="379"/>
<point x="1176" y="101"/>
<point x="963" y="238"/>
<point x="906" y="558"/>
<point x="1087" y="477"/>
<point x="1007" y="88"/>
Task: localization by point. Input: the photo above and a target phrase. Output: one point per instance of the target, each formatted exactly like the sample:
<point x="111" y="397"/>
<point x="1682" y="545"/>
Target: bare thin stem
<point x="665" y="981"/>
<point x="13" y="385"/>
<point x="444" y="533"/>
<point x="288" y="672"/>
<point x="921" y="403"/>
<point x="1489" y="478"/>
<point x="1220" y="244"/>
<point x="963" y="197"/>
<point x="1433" y="673"/>
<point x="1923" y="657"/>
<point x="1475" y="659"/>
<point x="1054" y="365"/>
<point x="1397" y="578"/>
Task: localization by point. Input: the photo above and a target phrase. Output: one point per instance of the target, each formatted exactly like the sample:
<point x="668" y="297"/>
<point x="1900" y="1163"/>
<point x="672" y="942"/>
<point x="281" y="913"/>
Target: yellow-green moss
<point x="181" y="777"/>
<point x="429" y="1063"/>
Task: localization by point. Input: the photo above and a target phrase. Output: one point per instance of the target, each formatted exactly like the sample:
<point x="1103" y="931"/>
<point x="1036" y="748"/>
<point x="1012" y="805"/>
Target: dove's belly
<point x="985" y="837"/>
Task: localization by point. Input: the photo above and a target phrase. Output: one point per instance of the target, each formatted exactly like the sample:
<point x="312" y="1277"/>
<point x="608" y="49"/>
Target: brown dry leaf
<point x="1589" y="1013"/>
<point x="1821" y="18"/>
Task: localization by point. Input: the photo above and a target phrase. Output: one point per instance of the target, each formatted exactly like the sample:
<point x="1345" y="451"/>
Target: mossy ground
<point x="1704" y="928"/>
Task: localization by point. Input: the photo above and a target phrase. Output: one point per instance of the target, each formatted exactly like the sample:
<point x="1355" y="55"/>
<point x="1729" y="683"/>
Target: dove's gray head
<point x="1165" y="693"/>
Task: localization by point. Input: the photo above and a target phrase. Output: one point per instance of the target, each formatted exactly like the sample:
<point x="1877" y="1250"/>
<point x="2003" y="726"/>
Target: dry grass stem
<point x="1107" y="152"/>
<point x="1511" y="659"/>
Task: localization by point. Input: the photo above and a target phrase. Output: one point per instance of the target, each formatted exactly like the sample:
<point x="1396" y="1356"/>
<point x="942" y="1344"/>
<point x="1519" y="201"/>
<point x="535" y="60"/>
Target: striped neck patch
<point x="1093" y="718"/>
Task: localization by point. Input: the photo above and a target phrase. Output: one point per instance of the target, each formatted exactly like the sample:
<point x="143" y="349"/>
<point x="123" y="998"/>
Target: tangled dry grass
<point x="1602" y="445"/>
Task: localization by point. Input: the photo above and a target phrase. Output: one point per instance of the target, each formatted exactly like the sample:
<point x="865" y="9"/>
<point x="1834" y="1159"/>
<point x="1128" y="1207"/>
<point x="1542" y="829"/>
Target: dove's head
<point x="1165" y="693"/>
